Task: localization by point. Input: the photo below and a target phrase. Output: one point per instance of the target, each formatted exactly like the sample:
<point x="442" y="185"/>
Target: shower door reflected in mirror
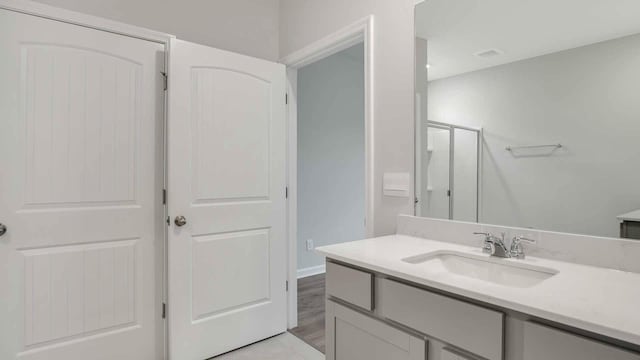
<point x="435" y="200"/>
<point x="449" y="172"/>
<point x="466" y="170"/>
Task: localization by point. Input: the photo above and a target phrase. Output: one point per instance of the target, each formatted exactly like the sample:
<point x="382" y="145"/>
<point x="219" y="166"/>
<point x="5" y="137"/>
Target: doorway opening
<point x="330" y="174"/>
<point x="329" y="163"/>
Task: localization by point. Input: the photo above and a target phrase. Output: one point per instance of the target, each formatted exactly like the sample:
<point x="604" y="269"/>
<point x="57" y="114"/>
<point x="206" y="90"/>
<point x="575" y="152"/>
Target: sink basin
<point x="483" y="268"/>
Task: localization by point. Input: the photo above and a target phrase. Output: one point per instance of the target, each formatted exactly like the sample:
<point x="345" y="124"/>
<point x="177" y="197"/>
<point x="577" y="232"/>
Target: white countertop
<point x="631" y="216"/>
<point x="600" y="300"/>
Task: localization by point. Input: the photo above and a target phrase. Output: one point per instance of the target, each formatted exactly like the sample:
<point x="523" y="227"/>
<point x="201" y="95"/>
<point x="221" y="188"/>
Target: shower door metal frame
<point x="479" y="136"/>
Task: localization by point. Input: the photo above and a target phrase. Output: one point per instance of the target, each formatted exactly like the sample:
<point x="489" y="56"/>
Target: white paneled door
<point x="80" y="185"/>
<point x="227" y="262"/>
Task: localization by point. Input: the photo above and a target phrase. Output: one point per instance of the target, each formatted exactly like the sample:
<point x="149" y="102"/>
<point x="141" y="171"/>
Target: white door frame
<point x="93" y="22"/>
<point x="359" y="31"/>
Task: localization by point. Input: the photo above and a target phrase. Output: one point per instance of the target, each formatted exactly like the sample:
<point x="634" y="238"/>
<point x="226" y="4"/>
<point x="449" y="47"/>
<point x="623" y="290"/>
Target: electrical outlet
<point x="309" y="244"/>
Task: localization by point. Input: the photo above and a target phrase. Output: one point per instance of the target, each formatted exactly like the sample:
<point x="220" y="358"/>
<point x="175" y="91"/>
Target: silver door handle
<point x="180" y="220"/>
<point x="3" y="229"/>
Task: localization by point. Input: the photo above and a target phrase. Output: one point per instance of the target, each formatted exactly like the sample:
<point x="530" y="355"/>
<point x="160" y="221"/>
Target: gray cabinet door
<point x="354" y="336"/>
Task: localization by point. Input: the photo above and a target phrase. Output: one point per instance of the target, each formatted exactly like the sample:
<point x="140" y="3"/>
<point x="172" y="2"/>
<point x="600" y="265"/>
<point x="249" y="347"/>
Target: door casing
<point x="355" y="33"/>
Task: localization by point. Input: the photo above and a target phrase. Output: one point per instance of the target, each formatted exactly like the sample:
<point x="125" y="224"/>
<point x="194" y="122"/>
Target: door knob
<point x="180" y="220"/>
<point x="3" y="229"/>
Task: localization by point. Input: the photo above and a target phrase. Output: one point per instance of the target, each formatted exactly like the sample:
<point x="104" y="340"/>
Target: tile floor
<point x="282" y="347"/>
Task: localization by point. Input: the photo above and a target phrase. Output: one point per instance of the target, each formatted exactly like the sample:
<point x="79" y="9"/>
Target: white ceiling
<point x="521" y="29"/>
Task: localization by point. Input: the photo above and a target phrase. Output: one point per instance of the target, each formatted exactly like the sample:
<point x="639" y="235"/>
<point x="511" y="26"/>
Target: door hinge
<point x="164" y="196"/>
<point x="166" y="80"/>
<point x="286" y="286"/>
<point x="286" y="99"/>
<point x="168" y="221"/>
<point x="449" y="193"/>
<point x="164" y="310"/>
<point x="286" y="192"/>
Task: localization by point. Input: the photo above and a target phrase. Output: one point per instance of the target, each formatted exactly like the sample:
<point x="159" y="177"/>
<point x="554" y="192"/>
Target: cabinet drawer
<point x="542" y="342"/>
<point x="466" y="326"/>
<point x="351" y="285"/>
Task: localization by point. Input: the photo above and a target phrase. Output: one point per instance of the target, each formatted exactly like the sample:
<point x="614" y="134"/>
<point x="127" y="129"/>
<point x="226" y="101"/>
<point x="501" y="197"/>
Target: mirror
<point x="528" y="113"/>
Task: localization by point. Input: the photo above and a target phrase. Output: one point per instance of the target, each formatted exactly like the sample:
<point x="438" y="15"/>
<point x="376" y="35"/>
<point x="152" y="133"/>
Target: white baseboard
<point x="310" y="271"/>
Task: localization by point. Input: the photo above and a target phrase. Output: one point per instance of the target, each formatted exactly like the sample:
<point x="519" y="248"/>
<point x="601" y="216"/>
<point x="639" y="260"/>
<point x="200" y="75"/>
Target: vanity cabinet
<point x="542" y="342"/>
<point x="364" y="314"/>
<point x="355" y="336"/>
<point x="371" y="316"/>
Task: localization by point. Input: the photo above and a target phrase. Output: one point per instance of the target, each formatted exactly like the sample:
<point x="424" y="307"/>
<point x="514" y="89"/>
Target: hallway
<point x="311" y="312"/>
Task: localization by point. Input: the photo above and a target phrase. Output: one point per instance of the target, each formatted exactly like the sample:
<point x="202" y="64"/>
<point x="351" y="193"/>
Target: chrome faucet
<point x="516" y="250"/>
<point x="494" y="245"/>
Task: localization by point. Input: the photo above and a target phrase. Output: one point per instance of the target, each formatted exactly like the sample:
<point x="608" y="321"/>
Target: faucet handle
<point x="519" y="239"/>
<point x="516" y="246"/>
<point x="488" y="247"/>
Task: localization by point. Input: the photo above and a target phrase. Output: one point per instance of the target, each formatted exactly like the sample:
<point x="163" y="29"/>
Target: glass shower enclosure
<point x="448" y="167"/>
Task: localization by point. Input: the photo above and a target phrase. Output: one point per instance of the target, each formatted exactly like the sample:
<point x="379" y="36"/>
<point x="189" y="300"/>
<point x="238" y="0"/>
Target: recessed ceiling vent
<point x="487" y="54"/>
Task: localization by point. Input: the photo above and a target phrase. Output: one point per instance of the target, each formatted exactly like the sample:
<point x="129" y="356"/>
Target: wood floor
<point x="311" y="311"/>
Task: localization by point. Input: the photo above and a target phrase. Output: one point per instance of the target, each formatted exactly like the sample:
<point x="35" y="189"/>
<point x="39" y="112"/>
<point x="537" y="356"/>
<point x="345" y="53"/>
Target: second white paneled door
<point x="80" y="192"/>
<point x="227" y="245"/>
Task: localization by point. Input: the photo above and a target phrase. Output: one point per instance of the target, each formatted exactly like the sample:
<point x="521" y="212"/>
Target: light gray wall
<point x="585" y="98"/>
<point x="305" y="21"/>
<point x="331" y="204"/>
<point x="244" y="26"/>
